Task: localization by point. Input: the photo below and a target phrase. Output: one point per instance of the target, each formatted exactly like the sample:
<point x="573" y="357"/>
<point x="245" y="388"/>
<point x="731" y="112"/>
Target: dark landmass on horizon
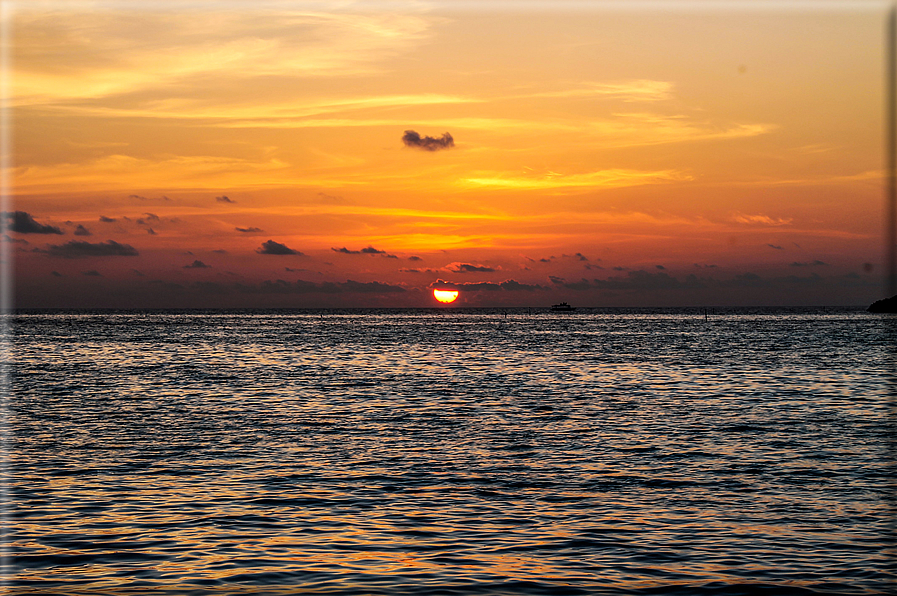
<point x="885" y="305"/>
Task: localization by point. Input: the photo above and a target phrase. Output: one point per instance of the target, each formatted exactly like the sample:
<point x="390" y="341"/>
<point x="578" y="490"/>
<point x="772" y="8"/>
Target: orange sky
<point x="666" y="154"/>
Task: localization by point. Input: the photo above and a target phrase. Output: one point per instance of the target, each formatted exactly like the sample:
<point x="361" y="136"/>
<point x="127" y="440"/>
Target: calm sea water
<point x="452" y="452"/>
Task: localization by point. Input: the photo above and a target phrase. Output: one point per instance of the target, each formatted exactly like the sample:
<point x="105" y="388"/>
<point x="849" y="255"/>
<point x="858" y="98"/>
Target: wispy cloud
<point x="102" y="59"/>
<point x="613" y="178"/>
<point x="761" y="219"/>
<point x="636" y="90"/>
<point x="109" y="171"/>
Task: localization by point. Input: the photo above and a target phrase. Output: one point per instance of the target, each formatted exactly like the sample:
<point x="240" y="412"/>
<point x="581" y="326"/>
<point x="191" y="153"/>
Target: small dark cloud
<point x="413" y="139"/>
<point x="417" y="271"/>
<point x="197" y="264"/>
<point x="294" y="270"/>
<point x="699" y="266"/>
<point x="24" y="223"/>
<point x="468" y="268"/>
<point x="276" y="248"/>
<point x="661" y="267"/>
<point x="556" y="280"/>
<point x="248" y="230"/>
<point x="82" y="231"/>
<point x="590" y="266"/>
<point x="619" y="268"/>
<point x="136" y="272"/>
<point x="370" y="250"/>
<point x="220" y="251"/>
<point x="815" y="263"/>
<point x="774" y="246"/>
<point x="543" y="260"/>
<point x="105" y="219"/>
<point x="91" y="273"/>
<point x="578" y="256"/>
<point x="224" y="199"/>
<point x="55" y="274"/>
<point x="148" y="217"/>
<point x="78" y="248"/>
<point x="414" y="258"/>
<point x="151" y="231"/>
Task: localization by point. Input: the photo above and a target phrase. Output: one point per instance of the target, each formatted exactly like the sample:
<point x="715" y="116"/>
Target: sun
<point x="445" y="296"/>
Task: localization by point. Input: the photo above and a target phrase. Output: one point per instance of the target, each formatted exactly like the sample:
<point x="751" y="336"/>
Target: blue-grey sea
<point x="454" y="451"/>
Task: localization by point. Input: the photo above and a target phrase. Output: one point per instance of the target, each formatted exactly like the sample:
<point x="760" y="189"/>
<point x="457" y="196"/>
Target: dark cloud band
<point x="77" y="249"/>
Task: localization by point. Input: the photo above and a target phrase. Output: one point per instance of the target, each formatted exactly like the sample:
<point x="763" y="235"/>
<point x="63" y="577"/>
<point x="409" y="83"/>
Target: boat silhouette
<point x="563" y="306"/>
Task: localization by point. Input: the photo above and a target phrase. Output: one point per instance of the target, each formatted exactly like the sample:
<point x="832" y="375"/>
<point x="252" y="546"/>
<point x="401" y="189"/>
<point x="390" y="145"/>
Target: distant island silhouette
<point x="884" y="305"/>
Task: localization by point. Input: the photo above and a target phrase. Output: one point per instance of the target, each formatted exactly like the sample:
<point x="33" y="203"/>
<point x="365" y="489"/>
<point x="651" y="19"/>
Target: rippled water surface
<point x="451" y="452"/>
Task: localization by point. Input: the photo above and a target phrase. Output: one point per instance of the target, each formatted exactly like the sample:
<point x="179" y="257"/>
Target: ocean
<point x="451" y="451"/>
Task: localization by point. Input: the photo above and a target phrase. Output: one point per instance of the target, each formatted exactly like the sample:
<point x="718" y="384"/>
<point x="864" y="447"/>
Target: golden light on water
<point x="445" y="296"/>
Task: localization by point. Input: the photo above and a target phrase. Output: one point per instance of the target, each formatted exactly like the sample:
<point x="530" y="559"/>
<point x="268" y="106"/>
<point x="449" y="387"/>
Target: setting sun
<point x="445" y="296"/>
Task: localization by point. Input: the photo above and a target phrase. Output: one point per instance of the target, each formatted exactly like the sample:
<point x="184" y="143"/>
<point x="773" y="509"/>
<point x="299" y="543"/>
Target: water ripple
<point x="451" y="452"/>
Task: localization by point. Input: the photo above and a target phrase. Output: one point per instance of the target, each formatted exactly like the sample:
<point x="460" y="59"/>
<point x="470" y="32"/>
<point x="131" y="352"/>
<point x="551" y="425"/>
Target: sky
<point x="361" y="154"/>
